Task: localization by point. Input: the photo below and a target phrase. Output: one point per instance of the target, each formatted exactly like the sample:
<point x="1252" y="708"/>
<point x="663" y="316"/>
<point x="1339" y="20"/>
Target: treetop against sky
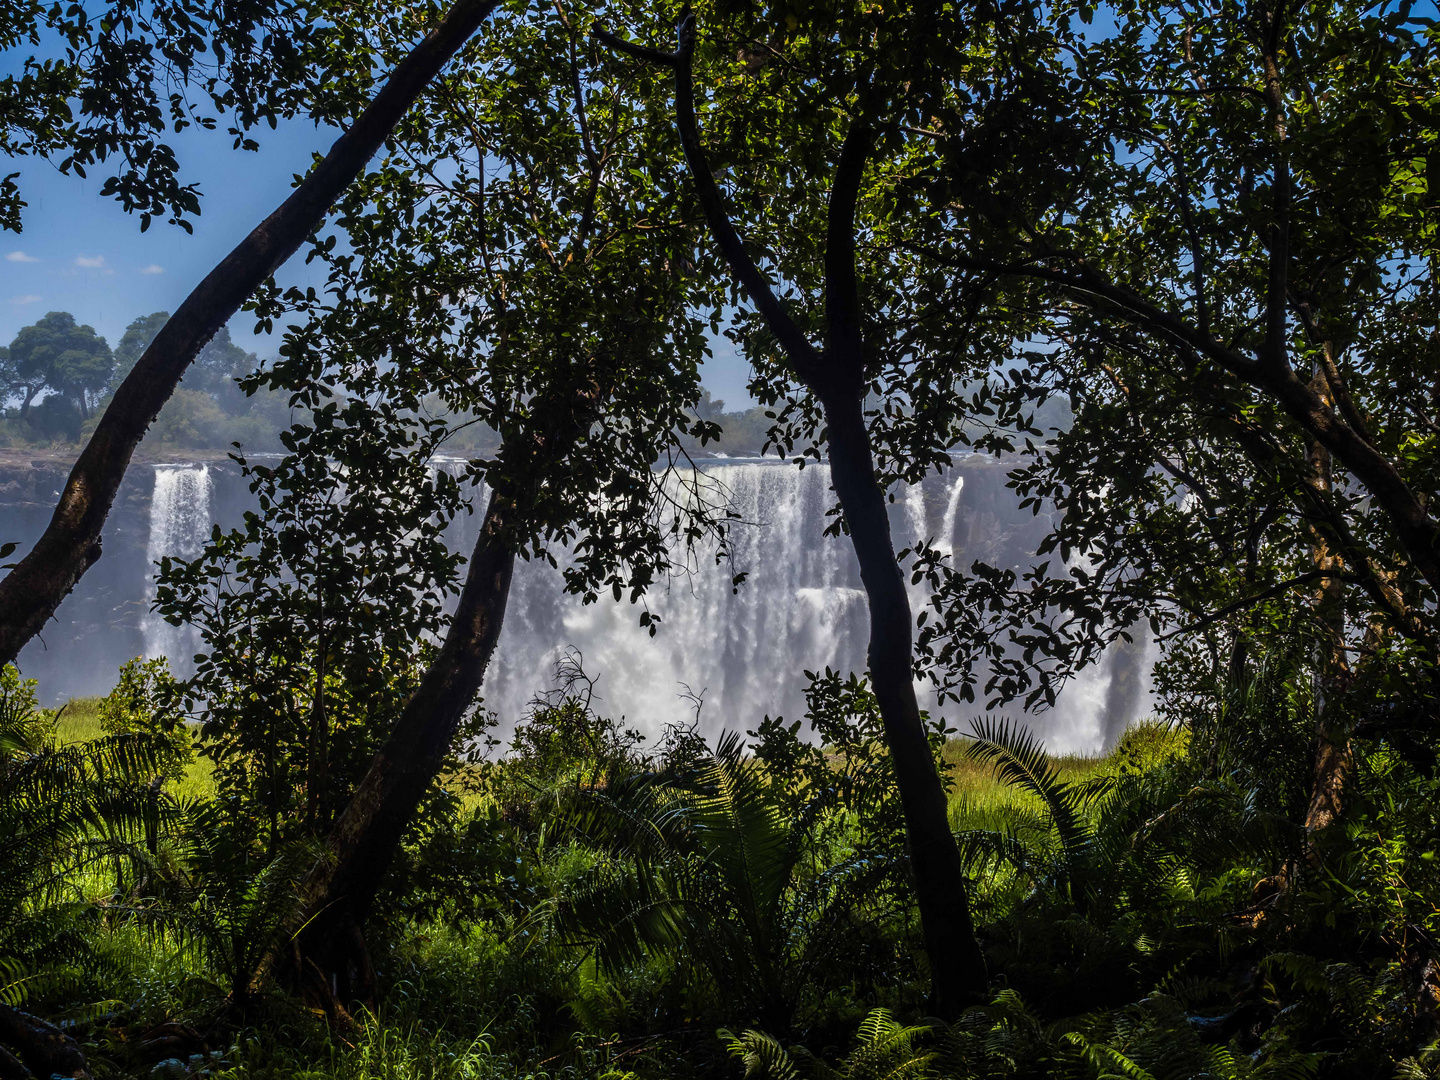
<point x="79" y="252"/>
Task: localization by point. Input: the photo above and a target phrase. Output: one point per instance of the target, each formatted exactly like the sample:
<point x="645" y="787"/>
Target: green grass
<point x="977" y="799"/>
<point x="980" y="801"/>
<point x="79" y="721"/>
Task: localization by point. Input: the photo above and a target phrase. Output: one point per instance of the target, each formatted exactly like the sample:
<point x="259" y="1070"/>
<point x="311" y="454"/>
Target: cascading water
<point x="800" y="608"/>
<point x="180" y="522"/>
<point x="952" y="511"/>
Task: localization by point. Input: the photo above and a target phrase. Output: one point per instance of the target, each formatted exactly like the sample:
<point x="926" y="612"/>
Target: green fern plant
<point x="714" y="871"/>
<point x="1018" y="759"/>
<point x="65" y="811"/>
<point x="1149" y="1040"/>
<point x="885" y="1049"/>
<point x="227" y="898"/>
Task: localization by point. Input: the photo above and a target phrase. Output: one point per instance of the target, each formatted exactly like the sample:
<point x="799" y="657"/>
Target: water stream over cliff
<point x="801" y="606"/>
<point x="180" y="523"/>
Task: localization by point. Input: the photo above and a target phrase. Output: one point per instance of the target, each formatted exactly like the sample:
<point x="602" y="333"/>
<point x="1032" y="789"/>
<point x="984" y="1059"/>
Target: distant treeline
<point x="58" y="375"/>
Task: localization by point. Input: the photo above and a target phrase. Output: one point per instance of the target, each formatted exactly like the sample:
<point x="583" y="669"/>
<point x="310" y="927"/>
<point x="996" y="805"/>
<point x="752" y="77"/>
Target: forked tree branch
<point x="804" y="357"/>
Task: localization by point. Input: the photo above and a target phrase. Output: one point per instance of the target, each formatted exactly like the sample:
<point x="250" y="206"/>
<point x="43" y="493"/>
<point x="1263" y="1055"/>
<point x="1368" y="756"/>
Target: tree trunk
<point x="1334" y="759"/>
<point x="958" y="974"/>
<point x="319" y="748"/>
<point x="31" y="592"/>
<point x="837" y="378"/>
<point x="12" y="1068"/>
<point x="362" y="842"/>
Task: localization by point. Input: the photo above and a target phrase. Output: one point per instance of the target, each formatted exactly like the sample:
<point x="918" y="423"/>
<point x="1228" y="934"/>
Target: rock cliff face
<point x="801" y="608"/>
<point x="100" y="624"/>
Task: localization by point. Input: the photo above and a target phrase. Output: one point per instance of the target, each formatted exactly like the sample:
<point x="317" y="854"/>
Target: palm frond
<point x="742" y="829"/>
<point x="1019" y="759"/>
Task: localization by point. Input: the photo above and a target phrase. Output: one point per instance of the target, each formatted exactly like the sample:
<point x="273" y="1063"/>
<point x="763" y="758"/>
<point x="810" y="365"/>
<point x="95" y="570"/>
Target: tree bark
<point x="837" y="377"/>
<point x="43" y="1047"/>
<point x="338" y="892"/>
<point x="31" y="592"/>
<point x="1334" y="758"/>
<point x="12" y="1068"/>
<point x="957" y="966"/>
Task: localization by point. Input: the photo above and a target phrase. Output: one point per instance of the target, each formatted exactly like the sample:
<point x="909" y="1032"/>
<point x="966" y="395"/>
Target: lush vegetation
<point x="590" y="904"/>
<point x="1173" y="265"/>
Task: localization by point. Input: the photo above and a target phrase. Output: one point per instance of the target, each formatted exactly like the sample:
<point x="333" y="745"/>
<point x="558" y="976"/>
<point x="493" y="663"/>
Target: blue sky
<point x="81" y="253"/>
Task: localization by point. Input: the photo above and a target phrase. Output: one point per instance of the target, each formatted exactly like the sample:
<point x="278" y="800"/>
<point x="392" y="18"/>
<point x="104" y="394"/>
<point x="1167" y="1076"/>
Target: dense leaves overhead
<point x="518" y="257"/>
<point x="101" y="87"/>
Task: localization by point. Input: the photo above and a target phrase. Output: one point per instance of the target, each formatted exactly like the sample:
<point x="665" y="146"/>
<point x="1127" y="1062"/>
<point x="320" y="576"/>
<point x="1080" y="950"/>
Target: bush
<point x="147" y="700"/>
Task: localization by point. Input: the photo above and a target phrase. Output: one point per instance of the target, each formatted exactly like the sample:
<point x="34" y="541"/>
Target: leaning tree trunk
<point x="837" y="377"/>
<point x="362" y="843"/>
<point x="330" y="954"/>
<point x="32" y="591"/>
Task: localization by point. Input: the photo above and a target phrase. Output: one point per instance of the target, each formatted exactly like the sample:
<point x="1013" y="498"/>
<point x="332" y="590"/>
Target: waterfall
<point x="746" y="650"/>
<point x="801" y="608"/>
<point x="952" y="512"/>
<point x="180" y="522"/>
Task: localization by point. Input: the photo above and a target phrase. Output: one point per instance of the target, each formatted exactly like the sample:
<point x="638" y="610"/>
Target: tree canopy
<point x="1172" y="265"/>
<point x="57" y="355"/>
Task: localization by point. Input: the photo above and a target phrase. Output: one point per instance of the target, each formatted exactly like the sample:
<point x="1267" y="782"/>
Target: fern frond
<point x="1019" y="759"/>
<point x="1107" y="1061"/>
<point x="762" y="1055"/>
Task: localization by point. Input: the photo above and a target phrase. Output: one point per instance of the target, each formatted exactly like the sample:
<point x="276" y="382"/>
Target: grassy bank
<point x="78" y="720"/>
<point x="978" y="798"/>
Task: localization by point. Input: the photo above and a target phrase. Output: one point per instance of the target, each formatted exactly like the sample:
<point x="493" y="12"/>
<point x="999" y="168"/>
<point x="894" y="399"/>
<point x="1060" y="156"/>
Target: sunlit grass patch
<point x="978" y="800"/>
<point x="78" y="721"/>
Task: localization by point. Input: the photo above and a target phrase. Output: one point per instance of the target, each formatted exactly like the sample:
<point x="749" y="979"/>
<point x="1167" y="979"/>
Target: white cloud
<point x="20" y="256"/>
<point x="90" y="262"/>
<point x="153" y="269"/>
<point x="28" y="298"/>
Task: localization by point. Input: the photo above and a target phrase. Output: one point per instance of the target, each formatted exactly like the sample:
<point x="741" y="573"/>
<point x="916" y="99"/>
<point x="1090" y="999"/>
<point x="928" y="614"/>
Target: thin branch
<point x="1251" y="601"/>
<point x="1166" y="91"/>
<point x="1338" y="385"/>
<point x="803" y="356"/>
<point x="1277" y="287"/>
<point x="842" y="289"/>
<point x="640" y="52"/>
<point x="1087" y="283"/>
<point x="1197" y="256"/>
